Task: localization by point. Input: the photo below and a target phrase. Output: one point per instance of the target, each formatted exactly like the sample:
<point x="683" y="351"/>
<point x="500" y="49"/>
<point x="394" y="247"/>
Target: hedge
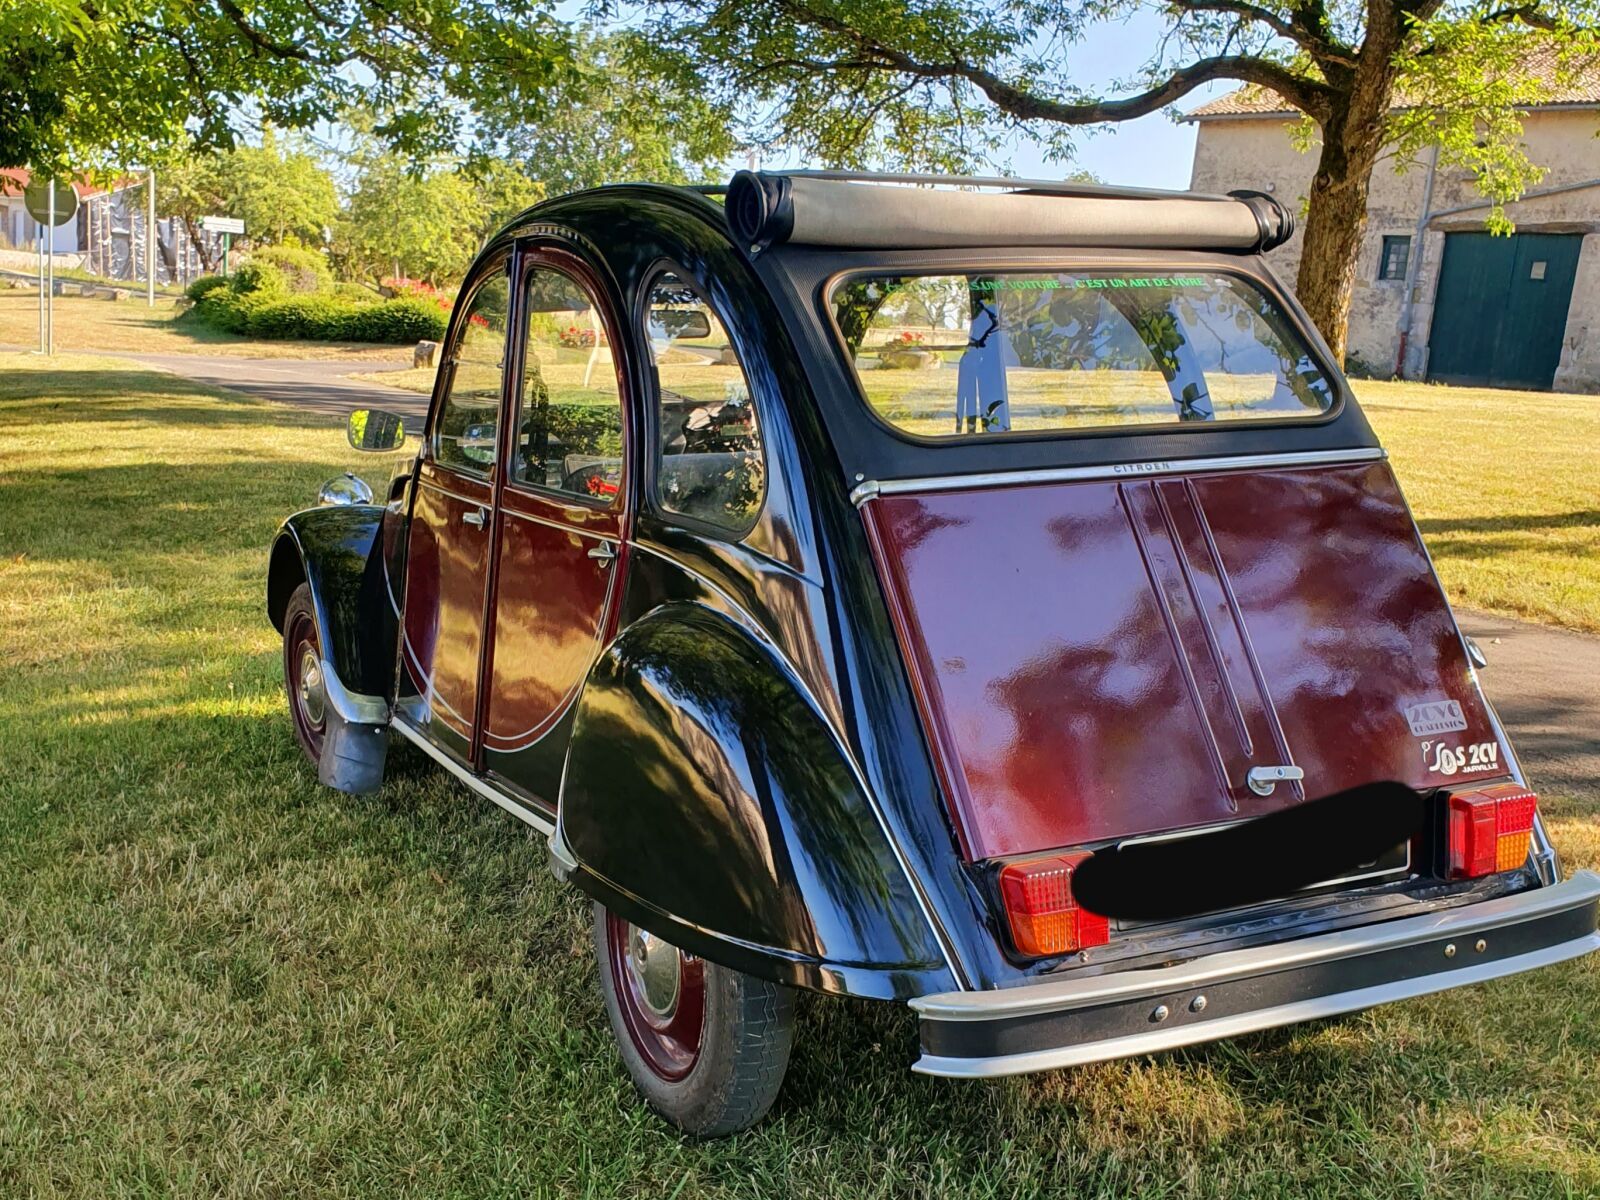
<point x="304" y="271"/>
<point x="322" y="318"/>
<point x="197" y="290"/>
<point x="259" y="276"/>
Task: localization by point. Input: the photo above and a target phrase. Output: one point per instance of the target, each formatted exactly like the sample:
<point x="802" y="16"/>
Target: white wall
<point x="22" y="229"/>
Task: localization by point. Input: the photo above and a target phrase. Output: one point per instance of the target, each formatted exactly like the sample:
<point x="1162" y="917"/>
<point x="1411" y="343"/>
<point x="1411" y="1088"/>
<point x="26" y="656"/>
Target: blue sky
<point x="1154" y="151"/>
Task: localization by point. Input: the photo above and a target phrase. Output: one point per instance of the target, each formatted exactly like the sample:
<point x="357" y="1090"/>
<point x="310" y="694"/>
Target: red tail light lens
<point x="1489" y="830"/>
<point x="1045" y="920"/>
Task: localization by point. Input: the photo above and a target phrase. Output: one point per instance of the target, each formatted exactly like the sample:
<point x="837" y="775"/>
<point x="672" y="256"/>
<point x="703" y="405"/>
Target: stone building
<point x="1436" y="297"/>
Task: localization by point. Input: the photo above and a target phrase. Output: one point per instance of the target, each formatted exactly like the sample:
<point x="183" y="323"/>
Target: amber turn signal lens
<point x="1045" y="919"/>
<point x="1489" y="830"/>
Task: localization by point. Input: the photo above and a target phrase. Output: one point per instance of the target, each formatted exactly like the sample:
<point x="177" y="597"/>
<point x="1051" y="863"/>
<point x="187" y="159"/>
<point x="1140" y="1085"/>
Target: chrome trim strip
<point x="522" y="813"/>
<point x="1062" y="995"/>
<point x="353" y="707"/>
<point x="870" y="488"/>
<point x="1265" y="1018"/>
<point x="565" y="528"/>
<point x="946" y="947"/>
<point x="444" y="491"/>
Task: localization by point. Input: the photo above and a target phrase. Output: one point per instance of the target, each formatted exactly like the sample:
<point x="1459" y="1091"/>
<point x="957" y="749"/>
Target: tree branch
<point x="1308" y="95"/>
<point x="294" y="50"/>
<point x="1527" y="14"/>
<point x="1311" y="35"/>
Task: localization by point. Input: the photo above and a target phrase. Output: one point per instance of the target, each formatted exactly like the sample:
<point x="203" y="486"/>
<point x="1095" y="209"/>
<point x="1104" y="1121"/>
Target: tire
<point x="712" y="1061"/>
<point x="347" y="756"/>
<point x="302" y="674"/>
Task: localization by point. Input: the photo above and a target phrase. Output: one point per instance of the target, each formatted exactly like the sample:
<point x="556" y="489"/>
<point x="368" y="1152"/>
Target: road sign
<point x="36" y="198"/>
<point x="222" y="224"/>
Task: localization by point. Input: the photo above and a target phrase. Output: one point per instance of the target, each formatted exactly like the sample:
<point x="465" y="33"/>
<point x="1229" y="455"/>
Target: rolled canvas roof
<point x="766" y="209"/>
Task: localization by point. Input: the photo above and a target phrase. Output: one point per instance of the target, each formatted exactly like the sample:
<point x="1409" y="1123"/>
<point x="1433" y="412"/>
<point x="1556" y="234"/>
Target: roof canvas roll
<point x="769" y="209"/>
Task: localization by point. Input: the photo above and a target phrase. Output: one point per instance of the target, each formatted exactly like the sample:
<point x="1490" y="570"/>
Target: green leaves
<point x="116" y="82"/>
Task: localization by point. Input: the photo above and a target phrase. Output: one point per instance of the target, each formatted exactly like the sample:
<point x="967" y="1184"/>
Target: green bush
<point x="356" y="293"/>
<point x="259" y="277"/>
<point x="397" y="321"/>
<point x="197" y="290"/>
<point x="304" y="271"/>
<point x="319" y="318"/>
<point x="231" y="311"/>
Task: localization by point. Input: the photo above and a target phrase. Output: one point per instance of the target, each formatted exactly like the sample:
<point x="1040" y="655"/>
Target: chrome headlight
<point x="344" y="489"/>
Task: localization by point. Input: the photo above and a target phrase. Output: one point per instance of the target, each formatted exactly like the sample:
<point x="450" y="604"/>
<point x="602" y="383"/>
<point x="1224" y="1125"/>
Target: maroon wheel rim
<point x="302" y="670"/>
<point x="661" y="992"/>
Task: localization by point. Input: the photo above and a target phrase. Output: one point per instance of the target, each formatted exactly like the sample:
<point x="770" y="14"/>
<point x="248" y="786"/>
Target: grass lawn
<point x="106" y="326"/>
<point x="1506" y="490"/>
<point x="219" y="979"/>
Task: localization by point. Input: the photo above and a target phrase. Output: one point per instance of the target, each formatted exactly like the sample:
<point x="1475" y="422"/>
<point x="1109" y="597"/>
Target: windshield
<point x="1001" y="352"/>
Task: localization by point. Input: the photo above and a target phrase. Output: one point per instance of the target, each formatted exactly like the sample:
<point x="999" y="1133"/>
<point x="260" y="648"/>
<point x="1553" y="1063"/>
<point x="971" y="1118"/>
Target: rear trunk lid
<point x="1102" y="658"/>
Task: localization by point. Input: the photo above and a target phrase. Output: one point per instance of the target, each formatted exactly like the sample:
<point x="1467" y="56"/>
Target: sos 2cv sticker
<point x="1477" y="758"/>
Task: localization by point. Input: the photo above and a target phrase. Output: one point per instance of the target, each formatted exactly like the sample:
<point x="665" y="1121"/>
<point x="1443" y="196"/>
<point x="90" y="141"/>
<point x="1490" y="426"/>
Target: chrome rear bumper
<point x="1070" y="1021"/>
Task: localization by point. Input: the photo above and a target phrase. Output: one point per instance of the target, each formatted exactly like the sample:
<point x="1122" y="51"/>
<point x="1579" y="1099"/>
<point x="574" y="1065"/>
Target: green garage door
<point x="1501" y="308"/>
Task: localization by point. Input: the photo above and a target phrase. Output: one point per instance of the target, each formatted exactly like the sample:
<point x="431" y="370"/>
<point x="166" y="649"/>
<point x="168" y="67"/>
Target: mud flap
<point x="352" y="756"/>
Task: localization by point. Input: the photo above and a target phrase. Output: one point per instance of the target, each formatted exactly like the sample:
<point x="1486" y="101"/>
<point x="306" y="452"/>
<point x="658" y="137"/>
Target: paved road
<point x="1546" y="685"/>
<point x="318" y="384"/>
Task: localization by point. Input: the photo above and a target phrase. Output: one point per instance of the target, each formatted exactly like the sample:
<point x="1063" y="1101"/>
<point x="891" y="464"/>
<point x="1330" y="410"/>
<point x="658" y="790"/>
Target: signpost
<point x="50" y="203"/>
<point x="227" y="227"/>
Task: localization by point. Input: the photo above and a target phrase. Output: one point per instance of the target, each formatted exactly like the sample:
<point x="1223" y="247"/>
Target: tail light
<point x="1489" y="830"/>
<point x="1045" y="920"/>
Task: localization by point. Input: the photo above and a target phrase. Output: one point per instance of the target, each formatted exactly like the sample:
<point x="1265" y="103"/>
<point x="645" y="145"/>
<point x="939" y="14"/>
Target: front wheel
<point x="705" y="1045"/>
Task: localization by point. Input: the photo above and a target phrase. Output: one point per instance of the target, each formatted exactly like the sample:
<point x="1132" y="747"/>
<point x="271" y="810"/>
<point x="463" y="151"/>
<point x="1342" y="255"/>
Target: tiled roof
<point x="1583" y="87"/>
<point x="14" y="179"/>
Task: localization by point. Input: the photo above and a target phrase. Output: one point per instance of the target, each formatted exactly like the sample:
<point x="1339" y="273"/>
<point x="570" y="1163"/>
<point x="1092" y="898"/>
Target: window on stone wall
<point x="1396" y="258"/>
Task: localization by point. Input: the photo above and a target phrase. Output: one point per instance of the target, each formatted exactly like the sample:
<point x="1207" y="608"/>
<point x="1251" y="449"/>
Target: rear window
<point x="1011" y="352"/>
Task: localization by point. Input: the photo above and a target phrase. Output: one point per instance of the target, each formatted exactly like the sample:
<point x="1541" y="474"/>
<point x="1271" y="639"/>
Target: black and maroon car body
<point x="859" y="740"/>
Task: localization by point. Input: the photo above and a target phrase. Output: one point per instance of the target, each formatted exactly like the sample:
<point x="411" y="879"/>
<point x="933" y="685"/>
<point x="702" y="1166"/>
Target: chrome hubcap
<point x="656" y="967"/>
<point x="313" y="700"/>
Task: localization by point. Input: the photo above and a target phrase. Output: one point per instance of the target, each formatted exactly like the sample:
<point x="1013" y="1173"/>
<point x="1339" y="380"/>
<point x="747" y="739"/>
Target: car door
<point x="451" y="530"/>
<point x="563" y="518"/>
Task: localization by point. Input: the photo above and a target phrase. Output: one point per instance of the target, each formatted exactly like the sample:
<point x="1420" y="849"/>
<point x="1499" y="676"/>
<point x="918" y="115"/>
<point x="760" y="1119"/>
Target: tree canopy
<point x="114" y="82"/>
<point x="942" y="82"/>
<point x="278" y="188"/>
<point x="621" y="113"/>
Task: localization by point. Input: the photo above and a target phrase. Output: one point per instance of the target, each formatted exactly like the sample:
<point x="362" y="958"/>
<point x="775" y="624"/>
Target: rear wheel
<point x="705" y="1045"/>
<point x="302" y="674"/>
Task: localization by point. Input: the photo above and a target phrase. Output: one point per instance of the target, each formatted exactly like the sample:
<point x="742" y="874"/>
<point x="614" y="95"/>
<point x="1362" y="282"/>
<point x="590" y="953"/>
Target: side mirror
<point x="680" y="324"/>
<point x="375" y="430"/>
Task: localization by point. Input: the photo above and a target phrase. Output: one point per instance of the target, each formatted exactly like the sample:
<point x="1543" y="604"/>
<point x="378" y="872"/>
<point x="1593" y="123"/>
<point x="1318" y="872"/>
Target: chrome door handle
<point x="603" y="554"/>
<point x="1263" y="780"/>
<point x="477" y="519"/>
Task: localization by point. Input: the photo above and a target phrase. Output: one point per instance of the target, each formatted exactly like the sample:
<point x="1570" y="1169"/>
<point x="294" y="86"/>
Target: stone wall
<point x="1258" y="152"/>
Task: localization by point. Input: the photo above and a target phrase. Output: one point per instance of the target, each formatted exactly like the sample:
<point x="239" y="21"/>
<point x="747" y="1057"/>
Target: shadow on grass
<point x="133" y="395"/>
<point x="1510" y="523"/>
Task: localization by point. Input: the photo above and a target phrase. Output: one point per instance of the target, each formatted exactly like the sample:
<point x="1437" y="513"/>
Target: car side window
<point x="710" y="464"/>
<point x="466" y="432"/>
<point x="569" y="413"/>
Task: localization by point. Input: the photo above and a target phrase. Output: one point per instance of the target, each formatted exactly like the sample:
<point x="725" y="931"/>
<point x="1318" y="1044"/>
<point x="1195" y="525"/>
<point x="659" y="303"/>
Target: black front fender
<point x="707" y="801"/>
<point x="338" y="552"/>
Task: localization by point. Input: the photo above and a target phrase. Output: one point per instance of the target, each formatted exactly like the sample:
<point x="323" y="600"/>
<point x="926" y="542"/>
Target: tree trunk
<point x="1336" y="217"/>
<point x="1335" y="223"/>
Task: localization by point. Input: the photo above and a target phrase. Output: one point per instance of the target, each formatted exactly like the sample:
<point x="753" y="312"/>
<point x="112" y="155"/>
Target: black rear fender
<point x="705" y="799"/>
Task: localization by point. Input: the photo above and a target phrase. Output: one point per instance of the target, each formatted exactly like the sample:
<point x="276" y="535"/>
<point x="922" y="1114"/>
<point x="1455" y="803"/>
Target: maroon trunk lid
<point x="1099" y="659"/>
